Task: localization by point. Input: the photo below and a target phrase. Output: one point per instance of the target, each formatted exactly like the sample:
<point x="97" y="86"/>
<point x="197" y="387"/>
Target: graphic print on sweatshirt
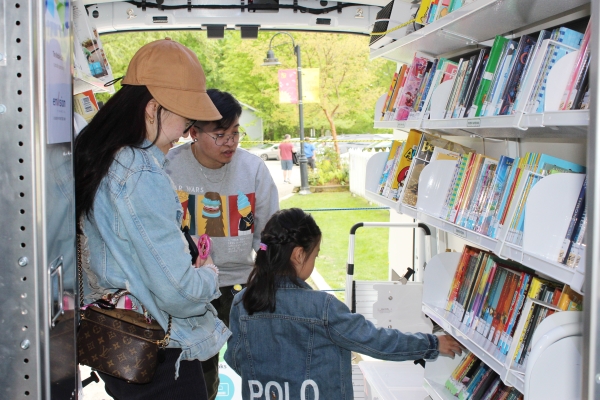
<point x="217" y="215"/>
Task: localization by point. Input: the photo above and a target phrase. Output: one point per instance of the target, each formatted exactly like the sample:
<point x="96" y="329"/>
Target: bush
<point x="330" y="170"/>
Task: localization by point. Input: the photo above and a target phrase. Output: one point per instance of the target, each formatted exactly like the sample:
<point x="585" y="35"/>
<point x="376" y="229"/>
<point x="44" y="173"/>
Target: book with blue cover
<point x="526" y="44"/>
<point x="500" y="78"/>
<point x="497" y="187"/>
<point x="543" y="35"/>
<point x="568" y="37"/>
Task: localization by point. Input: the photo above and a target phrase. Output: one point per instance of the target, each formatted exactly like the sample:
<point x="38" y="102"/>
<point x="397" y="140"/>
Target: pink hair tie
<point x="263" y="246"/>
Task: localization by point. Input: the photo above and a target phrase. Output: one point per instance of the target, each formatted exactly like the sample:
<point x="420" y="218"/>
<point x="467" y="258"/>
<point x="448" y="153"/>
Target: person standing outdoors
<point x="128" y="210"/>
<point x="227" y="193"/>
<point x="309" y="152"/>
<point x="286" y="148"/>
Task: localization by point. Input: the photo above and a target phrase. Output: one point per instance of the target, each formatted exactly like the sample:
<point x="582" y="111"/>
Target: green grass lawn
<point x="371" y="244"/>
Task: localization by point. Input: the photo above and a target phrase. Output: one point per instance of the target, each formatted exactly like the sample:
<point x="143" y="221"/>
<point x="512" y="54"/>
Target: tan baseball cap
<point x="174" y="77"/>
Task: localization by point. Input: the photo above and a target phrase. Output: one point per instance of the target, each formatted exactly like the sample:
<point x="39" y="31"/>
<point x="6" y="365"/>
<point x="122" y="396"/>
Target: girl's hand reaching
<point x="448" y="346"/>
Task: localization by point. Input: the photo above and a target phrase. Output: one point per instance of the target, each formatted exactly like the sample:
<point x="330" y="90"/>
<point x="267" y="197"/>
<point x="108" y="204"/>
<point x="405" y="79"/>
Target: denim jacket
<point x="302" y="350"/>
<point x="135" y="243"/>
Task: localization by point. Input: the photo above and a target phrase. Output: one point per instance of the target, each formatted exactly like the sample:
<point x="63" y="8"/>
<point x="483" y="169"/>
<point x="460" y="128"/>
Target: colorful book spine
<point x="488" y="75"/>
<point x="565" y="249"/>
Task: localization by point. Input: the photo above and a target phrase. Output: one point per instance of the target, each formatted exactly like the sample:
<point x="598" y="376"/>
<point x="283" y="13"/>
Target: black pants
<point x="211" y="366"/>
<point x="189" y="385"/>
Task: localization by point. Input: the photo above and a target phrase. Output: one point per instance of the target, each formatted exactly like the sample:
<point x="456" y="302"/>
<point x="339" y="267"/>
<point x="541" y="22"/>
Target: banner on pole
<point x="310" y="85"/>
<point x="288" y="85"/>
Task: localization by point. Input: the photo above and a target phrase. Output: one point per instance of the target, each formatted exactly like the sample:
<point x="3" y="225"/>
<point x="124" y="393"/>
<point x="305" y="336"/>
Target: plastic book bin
<point x="388" y="380"/>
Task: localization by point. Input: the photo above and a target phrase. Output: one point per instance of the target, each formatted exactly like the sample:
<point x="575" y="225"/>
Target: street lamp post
<point x="270" y="61"/>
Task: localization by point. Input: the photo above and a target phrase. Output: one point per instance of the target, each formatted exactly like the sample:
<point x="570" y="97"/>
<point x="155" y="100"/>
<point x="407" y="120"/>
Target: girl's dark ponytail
<point x="286" y="230"/>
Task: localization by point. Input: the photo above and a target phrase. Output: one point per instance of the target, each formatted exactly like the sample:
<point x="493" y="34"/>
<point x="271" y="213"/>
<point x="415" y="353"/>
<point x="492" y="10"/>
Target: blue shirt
<point x="305" y="345"/>
<point x="135" y="243"/>
<point x="309" y="150"/>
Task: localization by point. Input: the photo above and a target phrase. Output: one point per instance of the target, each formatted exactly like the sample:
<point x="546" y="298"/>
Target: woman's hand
<point x="448" y="346"/>
<point x="200" y="262"/>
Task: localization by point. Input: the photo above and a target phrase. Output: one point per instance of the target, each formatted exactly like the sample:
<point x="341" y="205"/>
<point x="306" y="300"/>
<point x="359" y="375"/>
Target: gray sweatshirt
<point x="231" y="204"/>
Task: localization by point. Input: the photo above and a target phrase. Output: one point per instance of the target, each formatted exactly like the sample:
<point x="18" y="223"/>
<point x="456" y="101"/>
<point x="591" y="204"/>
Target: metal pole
<point x="304" y="188"/>
<point x="591" y="305"/>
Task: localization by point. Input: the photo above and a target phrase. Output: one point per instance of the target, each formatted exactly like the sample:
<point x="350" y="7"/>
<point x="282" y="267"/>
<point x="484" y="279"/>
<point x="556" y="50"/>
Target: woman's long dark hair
<point x="285" y="230"/>
<point x="120" y="123"/>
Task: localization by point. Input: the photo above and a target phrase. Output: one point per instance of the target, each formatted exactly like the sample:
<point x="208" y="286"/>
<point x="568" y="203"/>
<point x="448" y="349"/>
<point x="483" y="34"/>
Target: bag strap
<point x="162" y="343"/>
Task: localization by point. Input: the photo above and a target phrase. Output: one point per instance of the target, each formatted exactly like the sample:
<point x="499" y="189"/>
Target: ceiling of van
<point x="301" y="15"/>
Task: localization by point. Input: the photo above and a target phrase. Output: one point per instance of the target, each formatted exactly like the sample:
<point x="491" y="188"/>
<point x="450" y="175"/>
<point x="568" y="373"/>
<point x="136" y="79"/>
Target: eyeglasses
<point x="192" y="122"/>
<point x="220" y="138"/>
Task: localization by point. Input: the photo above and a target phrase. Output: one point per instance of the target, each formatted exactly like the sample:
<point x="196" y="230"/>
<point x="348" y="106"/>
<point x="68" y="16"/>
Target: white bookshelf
<point x="561" y="325"/>
<point x="479" y="22"/>
<point x="468" y="29"/>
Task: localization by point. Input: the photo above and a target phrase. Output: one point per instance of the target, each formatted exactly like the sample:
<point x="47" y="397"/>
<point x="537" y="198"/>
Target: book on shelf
<point x="568" y="40"/>
<point x="388" y="98"/>
<point x="498" y="83"/>
<point x="570" y="236"/>
<point x="486" y="80"/>
<point x="469" y="86"/>
<point x="497" y="187"/>
<point x="396" y="145"/>
<point x="391" y="109"/>
<point x="472" y="379"/>
<point x="422" y="158"/>
<point x="454" y="93"/>
<point x="387" y="186"/>
<point x="85" y="104"/>
<point x="423" y="90"/>
<point x="410" y="86"/>
<point x="581" y="63"/>
<point x="405" y="158"/>
<point x="570" y="300"/>
<point x="577" y="251"/>
<point x="524" y="50"/>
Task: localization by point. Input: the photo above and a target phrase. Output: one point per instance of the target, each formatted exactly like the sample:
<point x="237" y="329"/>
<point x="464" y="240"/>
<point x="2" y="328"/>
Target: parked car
<point x="266" y="151"/>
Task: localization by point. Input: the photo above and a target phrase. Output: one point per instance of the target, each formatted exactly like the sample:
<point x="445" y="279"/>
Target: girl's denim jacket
<point x="304" y="347"/>
<point x="135" y="243"/>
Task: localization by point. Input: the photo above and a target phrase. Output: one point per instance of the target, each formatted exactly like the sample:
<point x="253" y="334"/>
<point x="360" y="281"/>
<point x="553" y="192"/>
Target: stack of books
<point x="487" y="296"/>
<point x="510" y="77"/>
<point x="472" y="379"/>
<point x="486" y="194"/>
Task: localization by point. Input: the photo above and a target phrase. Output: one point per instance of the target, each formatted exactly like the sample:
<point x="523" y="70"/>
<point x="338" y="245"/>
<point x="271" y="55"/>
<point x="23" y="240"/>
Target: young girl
<point x="289" y="341"/>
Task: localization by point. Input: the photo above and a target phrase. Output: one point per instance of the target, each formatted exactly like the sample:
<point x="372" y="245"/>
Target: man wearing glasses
<point x="227" y="193"/>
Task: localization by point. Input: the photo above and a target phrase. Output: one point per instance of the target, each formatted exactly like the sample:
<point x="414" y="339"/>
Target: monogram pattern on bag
<point x="116" y="352"/>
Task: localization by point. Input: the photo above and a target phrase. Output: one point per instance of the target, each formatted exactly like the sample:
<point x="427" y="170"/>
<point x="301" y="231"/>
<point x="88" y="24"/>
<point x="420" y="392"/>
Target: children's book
<point x="568" y="96"/>
<point x="497" y="187"/>
<point x="578" y="245"/>
<point x="488" y="75"/>
<point x="476" y="75"/>
<point x="459" y="274"/>
<point x="408" y="93"/>
<point x="530" y="72"/>
<point x="500" y="79"/>
<point x="478" y="196"/>
<point x="565" y="249"/>
<point x="391" y="177"/>
<point x="401" y="172"/>
<point x="526" y="45"/>
<point x="567" y="37"/>
<point x="388" y="98"/>
<point x="395" y="96"/>
<point x="388" y="166"/>
<point x="423" y="156"/>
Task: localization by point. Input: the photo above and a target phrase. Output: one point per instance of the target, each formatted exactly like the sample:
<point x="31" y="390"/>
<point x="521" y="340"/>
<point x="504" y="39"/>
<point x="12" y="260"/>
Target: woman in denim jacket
<point x="131" y="215"/>
<point x="291" y="342"/>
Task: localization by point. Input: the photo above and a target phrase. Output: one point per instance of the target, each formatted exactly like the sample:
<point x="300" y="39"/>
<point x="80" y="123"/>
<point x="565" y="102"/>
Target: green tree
<point x="349" y="81"/>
